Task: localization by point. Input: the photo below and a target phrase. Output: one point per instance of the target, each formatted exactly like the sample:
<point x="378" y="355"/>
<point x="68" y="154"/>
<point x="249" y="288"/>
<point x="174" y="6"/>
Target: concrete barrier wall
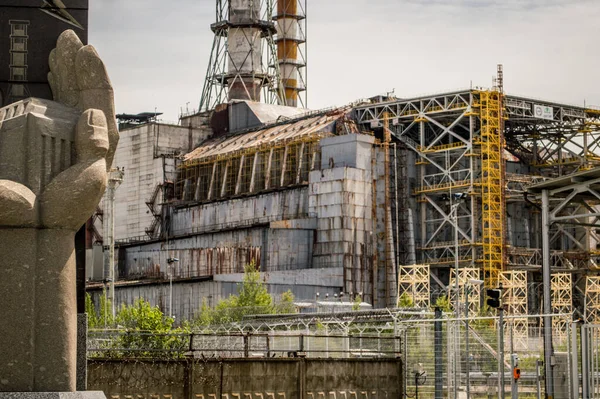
<point x="289" y="378"/>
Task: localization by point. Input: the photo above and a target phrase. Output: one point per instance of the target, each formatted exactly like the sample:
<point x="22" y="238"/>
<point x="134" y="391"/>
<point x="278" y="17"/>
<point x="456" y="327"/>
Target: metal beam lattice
<point x="413" y="282"/>
<point x="465" y="275"/>
<point x="514" y="284"/>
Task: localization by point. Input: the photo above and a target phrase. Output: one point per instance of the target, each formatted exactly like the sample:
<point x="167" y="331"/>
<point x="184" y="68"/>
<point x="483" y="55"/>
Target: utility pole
<point x="115" y="178"/>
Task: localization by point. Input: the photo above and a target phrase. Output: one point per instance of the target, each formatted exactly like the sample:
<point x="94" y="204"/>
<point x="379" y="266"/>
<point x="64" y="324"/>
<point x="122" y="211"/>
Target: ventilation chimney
<point x="291" y="55"/>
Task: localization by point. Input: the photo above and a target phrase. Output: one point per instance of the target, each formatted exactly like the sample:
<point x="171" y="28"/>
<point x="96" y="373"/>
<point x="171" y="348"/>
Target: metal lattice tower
<point x="562" y="301"/>
<point x="413" y="281"/>
<point x="465" y="274"/>
<point x="592" y="299"/>
<point x="515" y="298"/>
<point x="243" y="62"/>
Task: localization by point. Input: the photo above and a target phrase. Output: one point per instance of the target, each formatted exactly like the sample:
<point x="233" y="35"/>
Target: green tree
<point x="405" y="301"/>
<point x="252" y="298"/>
<point x="90" y="309"/>
<point x="286" y="303"/>
<point x="443" y="303"/>
<point x="253" y="295"/>
<point x="357" y="302"/>
<point x="101" y="318"/>
<point x="205" y="315"/>
<point x="147" y="332"/>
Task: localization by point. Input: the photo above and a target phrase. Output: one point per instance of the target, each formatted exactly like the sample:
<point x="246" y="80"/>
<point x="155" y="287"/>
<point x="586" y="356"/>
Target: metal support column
<point x="585" y="386"/>
<point x="438" y="354"/>
<point x="501" y="352"/>
<point x="574" y="362"/>
<point x="548" y="353"/>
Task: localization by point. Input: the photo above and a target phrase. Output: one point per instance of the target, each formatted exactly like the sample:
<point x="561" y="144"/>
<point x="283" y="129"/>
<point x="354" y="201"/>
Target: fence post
<point x="405" y="362"/>
<point x="574" y="362"/>
<point x="538" y="378"/>
<point x="501" y="352"/>
<point x="246" y="347"/>
<point x="438" y="354"/>
<point x="585" y="372"/>
<point x="187" y="377"/>
<point x="301" y="376"/>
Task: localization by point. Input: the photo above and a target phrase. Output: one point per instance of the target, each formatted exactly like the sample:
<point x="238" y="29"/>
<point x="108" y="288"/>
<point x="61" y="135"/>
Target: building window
<point x="18" y="29"/>
<point x="18" y="74"/>
<point x="18" y="59"/>
<point x="18" y="44"/>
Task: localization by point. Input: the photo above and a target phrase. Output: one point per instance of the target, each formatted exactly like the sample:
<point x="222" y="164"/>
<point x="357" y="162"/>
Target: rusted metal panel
<point x="219" y="146"/>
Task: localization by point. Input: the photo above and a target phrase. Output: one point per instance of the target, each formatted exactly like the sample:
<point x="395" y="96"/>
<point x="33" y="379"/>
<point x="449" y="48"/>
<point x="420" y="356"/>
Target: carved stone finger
<point x="17" y="203"/>
<point x="96" y="92"/>
<point x="91" y="136"/>
<point x="67" y="46"/>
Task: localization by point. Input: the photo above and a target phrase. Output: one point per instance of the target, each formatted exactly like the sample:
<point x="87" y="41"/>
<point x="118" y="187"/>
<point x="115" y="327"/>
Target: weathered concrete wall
<point x="188" y="295"/>
<point x="220" y="253"/>
<point x="146" y="152"/>
<point x="248" y="378"/>
<point x="241" y="212"/>
<point x="344" y="199"/>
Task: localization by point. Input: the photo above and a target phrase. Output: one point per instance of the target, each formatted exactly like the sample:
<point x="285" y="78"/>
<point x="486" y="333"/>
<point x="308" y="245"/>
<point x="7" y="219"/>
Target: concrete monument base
<point x="53" y="395"/>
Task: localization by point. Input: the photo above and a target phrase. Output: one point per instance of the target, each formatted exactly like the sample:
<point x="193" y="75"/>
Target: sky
<point x="157" y="51"/>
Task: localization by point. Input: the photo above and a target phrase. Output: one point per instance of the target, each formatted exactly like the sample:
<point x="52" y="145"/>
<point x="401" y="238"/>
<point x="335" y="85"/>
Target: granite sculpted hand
<point x="54" y="160"/>
<point x="78" y="79"/>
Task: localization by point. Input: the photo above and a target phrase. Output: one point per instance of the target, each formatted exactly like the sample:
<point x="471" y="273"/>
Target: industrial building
<point x="386" y="197"/>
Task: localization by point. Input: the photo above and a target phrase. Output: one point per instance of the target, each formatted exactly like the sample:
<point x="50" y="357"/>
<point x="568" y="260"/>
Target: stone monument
<point x="54" y="157"/>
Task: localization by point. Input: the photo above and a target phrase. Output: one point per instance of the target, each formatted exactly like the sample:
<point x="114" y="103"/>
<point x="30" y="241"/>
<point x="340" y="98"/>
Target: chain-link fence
<point x="465" y="358"/>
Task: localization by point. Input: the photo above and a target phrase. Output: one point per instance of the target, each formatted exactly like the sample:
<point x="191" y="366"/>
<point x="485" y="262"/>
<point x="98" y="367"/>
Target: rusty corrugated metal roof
<point x="321" y="124"/>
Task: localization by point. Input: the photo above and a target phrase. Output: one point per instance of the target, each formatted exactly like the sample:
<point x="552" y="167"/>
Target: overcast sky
<point x="157" y="51"/>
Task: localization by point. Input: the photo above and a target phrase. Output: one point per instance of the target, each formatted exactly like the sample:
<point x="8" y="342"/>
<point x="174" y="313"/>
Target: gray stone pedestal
<point x="53" y="395"/>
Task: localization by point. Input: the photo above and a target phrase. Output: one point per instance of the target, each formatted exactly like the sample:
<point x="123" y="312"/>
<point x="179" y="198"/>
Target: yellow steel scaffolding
<point x="492" y="191"/>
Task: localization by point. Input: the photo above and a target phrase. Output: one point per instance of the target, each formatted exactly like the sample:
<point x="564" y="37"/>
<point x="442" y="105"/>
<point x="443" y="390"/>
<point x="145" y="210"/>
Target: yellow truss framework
<point x="514" y="284"/>
<point x="465" y="274"/>
<point x="413" y="282"/>
<point x="492" y="190"/>
<point x="562" y="302"/>
<point x="592" y="299"/>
